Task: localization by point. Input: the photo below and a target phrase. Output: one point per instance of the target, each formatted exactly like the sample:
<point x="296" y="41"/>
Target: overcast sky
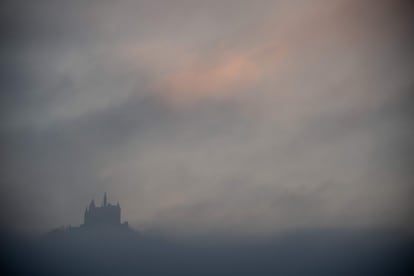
<point x="235" y="116"/>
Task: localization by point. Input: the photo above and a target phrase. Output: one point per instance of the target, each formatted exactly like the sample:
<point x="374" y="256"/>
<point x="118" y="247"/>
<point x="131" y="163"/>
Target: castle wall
<point x="106" y="215"/>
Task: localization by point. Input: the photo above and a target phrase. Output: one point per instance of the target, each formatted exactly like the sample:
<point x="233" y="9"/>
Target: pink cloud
<point x="210" y="79"/>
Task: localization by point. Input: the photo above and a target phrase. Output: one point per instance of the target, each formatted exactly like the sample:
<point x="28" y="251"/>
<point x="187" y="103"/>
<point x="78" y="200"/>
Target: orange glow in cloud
<point x="210" y="80"/>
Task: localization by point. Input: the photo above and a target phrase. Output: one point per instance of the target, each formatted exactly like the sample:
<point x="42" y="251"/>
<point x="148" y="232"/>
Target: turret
<point x="92" y="205"/>
<point x="104" y="201"/>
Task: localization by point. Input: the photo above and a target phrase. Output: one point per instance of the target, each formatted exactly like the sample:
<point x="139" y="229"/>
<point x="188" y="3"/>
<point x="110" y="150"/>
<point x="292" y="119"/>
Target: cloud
<point x="281" y="116"/>
<point x="211" y="79"/>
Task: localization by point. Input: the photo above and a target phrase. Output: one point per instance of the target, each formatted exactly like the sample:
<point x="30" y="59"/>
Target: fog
<point x="208" y="117"/>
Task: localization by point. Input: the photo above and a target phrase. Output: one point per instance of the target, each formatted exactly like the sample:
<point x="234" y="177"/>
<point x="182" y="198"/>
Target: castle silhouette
<point x="107" y="214"/>
<point x="96" y="218"/>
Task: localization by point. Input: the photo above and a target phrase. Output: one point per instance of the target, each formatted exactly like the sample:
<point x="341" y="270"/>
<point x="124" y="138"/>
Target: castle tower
<point x="107" y="214"/>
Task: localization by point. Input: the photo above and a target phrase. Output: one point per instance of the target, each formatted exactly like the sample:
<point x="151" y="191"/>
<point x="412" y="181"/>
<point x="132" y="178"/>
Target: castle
<point x="105" y="215"/>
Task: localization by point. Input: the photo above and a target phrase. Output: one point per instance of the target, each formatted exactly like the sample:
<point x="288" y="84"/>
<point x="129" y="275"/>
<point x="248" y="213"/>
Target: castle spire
<point x="104" y="200"/>
<point x="92" y="204"/>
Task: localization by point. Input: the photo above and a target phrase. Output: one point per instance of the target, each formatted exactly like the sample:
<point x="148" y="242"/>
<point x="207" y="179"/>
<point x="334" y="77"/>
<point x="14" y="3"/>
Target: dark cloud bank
<point x="240" y="137"/>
